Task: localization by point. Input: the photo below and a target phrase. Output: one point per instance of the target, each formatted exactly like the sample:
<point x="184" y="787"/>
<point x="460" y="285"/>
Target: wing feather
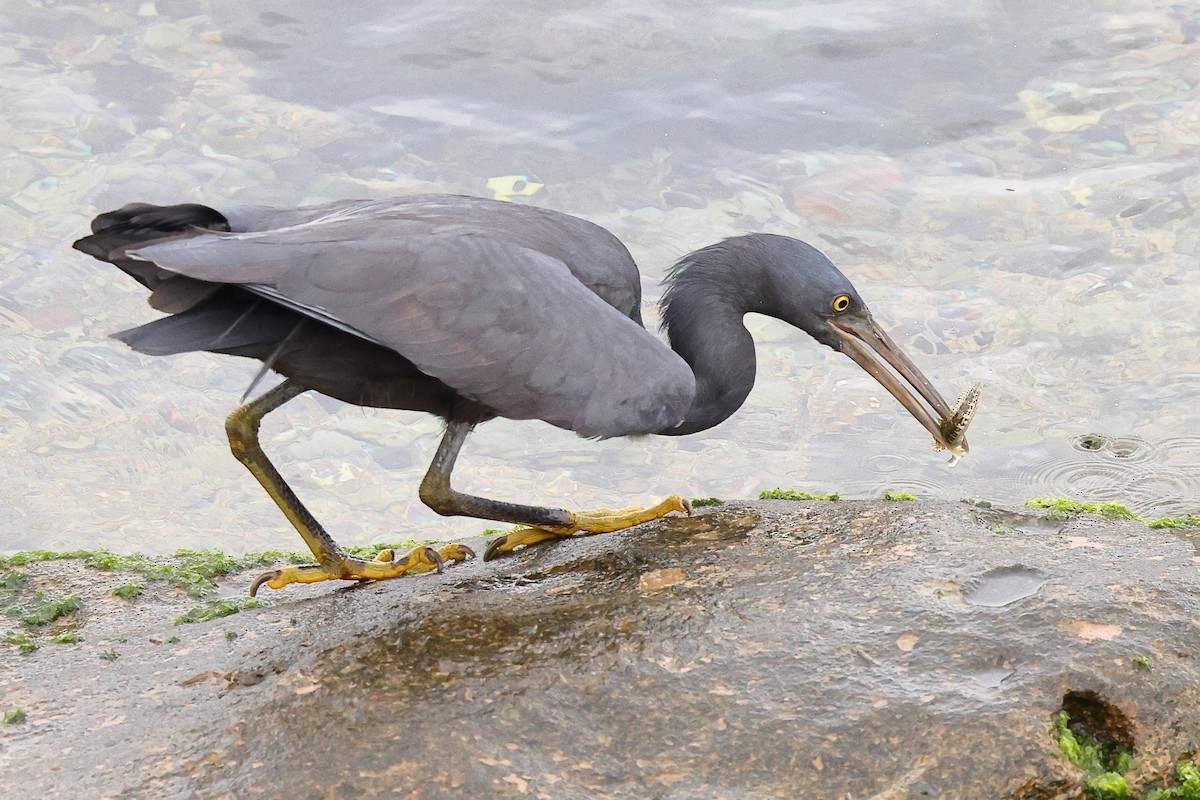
<point x="505" y="325"/>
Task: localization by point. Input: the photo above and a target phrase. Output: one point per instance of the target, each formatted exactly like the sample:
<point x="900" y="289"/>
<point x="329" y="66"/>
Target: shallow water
<point x="1004" y="586"/>
<point x="1010" y="186"/>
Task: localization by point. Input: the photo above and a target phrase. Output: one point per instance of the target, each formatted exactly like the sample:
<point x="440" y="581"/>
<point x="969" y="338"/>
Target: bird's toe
<point x="266" y="577"/>
<point x="495" y="548"/>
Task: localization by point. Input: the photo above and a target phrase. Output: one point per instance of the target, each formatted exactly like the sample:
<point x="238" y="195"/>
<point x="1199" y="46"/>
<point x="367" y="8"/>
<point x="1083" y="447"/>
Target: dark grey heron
<point x="472" y="309"/>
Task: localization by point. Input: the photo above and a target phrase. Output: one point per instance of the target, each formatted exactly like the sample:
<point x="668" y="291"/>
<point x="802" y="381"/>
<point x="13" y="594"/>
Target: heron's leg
<point x="332" y="562"/>
<point x="544" y="523"/>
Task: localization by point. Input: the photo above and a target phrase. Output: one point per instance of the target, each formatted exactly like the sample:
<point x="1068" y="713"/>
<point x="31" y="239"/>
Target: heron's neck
<point x="702" y="315"/>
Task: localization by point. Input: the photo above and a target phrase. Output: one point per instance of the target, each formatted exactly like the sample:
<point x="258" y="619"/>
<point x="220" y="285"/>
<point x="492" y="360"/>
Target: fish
<point x="954" y="424"/>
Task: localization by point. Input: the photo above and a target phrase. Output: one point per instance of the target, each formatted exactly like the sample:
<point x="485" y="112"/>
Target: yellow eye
<point x="840" y="303"/>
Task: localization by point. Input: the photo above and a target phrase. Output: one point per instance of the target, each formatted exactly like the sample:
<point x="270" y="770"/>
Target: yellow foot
<point x="447" y="553"/>
<point x="601" y="520"/>
<point x="520" y="537"/>
<point x="383" y="567"/>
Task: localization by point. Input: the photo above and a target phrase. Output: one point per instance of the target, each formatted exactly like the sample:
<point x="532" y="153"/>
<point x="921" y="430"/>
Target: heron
<point x="471" y="309"/>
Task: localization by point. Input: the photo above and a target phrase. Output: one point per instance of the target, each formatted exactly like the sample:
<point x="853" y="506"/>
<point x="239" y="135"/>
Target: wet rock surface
<point x="825" y="650"/>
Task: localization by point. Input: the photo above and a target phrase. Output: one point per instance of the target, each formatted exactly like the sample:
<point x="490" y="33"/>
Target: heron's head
<point x="803" y="287"/>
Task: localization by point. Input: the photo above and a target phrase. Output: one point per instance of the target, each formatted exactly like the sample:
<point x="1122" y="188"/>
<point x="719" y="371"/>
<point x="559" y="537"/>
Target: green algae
<point x="216" y="609"/>
<point x="34" y="612"/>
<point x="1065" y="505"/>
<point x="193" y="571"/>
<point x="11" y="584"/>
<point x="1107" y="786"/>
<point x="43" y="609"/>
<point x="1185" y="521"/>
<point x="701" y="502"/>
<point x="22" y="641"/>
<point x="68" y="637"/>
<point x="14" y="716"/>
<point x="1060" y="509"/>
<point x="1105" y="765"/>
<point x="792" y="494"/>
<point x="1187" y="778"/>
<point x="128" y="591"/>
<point x="899" y="497"/>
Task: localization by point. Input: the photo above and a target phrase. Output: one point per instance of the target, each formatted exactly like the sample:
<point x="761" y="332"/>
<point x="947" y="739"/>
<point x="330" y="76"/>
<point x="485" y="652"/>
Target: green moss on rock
<point x="792" y="494"/>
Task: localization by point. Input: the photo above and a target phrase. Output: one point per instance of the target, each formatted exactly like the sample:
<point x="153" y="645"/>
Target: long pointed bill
<point x="871" y="348"/>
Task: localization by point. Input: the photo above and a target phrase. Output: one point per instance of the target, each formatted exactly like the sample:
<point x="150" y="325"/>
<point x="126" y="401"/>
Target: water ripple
<point x="1151" y="477"/>
<point x="896" y="473"/>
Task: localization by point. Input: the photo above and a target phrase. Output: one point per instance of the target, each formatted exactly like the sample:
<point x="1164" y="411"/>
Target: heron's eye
<point x="840" y="303"/>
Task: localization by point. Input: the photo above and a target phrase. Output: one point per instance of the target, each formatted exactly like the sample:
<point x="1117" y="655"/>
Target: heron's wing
<point x="597" y="258"/>
<point x="505" y="325"/>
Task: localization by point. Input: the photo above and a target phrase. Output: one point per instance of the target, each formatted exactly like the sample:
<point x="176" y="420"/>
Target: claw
<point x="493" y="547"/>
<point x="435" y="557"/>
<point x="523" y="537"/>
<point x="453" y="553"/>
<point x="266" y="577"/>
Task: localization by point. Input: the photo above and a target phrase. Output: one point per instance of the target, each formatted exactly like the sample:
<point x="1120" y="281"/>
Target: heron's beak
<point x="870" y="346"/>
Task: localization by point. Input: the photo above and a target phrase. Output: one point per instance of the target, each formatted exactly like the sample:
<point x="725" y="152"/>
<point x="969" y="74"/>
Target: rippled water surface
<point x="1010" y="185"/>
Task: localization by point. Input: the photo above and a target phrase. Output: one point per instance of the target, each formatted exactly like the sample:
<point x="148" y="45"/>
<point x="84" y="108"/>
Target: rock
<point x="791" y="650"/>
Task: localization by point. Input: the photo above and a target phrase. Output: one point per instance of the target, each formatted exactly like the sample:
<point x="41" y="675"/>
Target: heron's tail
<point x="139" y="222"/>
<point x="114" y="232"/>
